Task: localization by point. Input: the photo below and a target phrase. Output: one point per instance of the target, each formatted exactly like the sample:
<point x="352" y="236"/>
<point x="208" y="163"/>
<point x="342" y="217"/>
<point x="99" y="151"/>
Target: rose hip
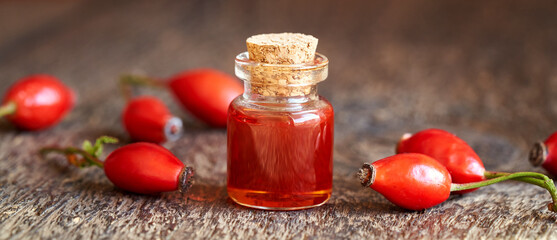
<point x="206" y="93"/>
<point x="416" y="181"/>
<point x="143" y="168"/>
<point x="147" y="119"/>
<point x="545" y="154"/>
<point x="146" y="168"/>
<point x="412" y="181"/>
<point x="37" y="102"/>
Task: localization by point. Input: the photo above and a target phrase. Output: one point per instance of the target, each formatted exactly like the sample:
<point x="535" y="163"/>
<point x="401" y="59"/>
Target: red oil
<point x="280" y="159"/>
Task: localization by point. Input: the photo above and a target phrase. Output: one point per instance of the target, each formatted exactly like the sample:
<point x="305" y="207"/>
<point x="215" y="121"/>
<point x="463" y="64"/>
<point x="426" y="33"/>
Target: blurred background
<point x="466" y="66"/>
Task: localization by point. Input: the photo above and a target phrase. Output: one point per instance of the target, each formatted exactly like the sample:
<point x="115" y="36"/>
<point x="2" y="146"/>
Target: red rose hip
<point x="411" y="181"/>
<point x="37" y="102"/>
<point x="545" y="154"/>
<point x="146" y="168"/>
<point x="206" y="93"/>
<point x="147" y="119"/>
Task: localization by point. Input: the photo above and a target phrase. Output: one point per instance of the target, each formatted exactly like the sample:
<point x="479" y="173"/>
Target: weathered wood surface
<point x="485" y="70"/>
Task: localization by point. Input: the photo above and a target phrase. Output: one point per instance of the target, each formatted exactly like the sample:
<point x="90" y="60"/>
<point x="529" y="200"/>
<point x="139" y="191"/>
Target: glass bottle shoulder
<point x="318" y="110"/>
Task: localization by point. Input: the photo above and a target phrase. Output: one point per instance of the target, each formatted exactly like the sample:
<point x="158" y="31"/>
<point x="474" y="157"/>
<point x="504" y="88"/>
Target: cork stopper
<point x="282" y="48"/>
<point x="285" y="64"/>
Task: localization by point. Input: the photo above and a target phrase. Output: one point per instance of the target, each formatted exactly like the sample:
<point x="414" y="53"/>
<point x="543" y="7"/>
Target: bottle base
<point x="279" y="201"/>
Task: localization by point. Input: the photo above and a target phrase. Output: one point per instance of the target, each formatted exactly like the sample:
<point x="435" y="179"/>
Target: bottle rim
<point x="320" y="61"/>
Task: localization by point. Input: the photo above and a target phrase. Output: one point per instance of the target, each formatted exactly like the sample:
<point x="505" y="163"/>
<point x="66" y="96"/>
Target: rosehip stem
<point x="127" y="81"/>
<point x="70" y="152"/>
<point x="86" y="156"/>
<point x="7" y="109"/>
<point x="535" y="181"/>
<point x="538" y="179"/>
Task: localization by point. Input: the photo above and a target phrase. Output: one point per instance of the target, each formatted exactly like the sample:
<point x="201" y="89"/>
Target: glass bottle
<point x="280" y="136"/>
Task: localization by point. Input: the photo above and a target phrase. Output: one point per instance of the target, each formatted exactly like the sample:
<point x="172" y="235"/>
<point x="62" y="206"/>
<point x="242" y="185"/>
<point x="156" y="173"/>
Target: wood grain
<point x="482" y="69"/>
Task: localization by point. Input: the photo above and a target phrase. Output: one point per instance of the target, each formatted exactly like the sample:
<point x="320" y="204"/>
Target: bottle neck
<point x="256" y="94"/>
<point x="269" y="84"/>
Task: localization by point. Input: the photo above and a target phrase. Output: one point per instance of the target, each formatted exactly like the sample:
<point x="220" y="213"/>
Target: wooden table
<point x="485" y="70"/>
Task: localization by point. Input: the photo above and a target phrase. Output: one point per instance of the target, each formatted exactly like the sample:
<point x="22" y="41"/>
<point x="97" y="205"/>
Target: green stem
<point x="90" y="160"/>
<point x="490" y="175"/>
<point x="472" y="185"/>
<point x="535" y="181"/>
<point x="538" y="180"/>
<point x="528" y="177"/>
<point x="128" y="81"/>
<point x="7" y="109"/>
